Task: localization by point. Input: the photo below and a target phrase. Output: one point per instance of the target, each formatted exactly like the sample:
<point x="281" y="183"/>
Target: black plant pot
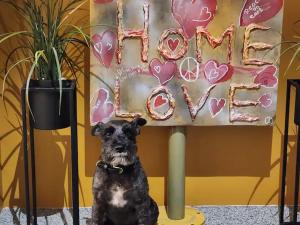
<point x="44" y="102"/>
<point x="297" y="103"/>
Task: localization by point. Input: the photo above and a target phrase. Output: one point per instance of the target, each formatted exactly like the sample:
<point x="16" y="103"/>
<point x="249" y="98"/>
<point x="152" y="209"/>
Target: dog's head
<point x="119" y="140"/>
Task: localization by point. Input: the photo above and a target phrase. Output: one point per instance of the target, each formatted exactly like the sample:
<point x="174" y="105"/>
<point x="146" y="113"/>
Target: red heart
<point x="255" y="11"/>
<point x="103" y="109"/>
<point x="216" y="73"/>
<point x="266" y="100"/>
<point x="193" y="13"/>
<point x="266" y="77"/>
<point x="164" y="72"/>
<point x="173" y="44"/>
<point x="216" y="106"/>
<point x="159" y="101"/>
<point x="104" y="47"/>
<point x="102" y="1"/>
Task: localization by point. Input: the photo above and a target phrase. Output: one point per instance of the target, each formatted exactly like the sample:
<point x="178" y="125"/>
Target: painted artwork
<point x="185" y="62"/>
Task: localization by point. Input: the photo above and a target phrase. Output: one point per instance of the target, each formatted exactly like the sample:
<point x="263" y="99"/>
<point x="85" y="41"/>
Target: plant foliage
<point x="47" y="38"/>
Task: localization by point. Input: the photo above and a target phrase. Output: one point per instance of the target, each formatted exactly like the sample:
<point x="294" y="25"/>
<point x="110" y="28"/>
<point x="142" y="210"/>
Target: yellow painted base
<point x="192" y="217"/>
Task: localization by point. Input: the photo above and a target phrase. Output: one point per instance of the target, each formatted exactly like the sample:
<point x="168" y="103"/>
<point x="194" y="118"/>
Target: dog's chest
<point x="117" y="196"/>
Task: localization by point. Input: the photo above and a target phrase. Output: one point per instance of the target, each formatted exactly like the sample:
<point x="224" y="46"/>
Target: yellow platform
<point x="192" y="217"/>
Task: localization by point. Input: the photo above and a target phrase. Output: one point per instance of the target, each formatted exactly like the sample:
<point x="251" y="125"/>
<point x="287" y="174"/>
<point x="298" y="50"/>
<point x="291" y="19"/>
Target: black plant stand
<point x="71" y="92"/>
<point x="296" y="84"/>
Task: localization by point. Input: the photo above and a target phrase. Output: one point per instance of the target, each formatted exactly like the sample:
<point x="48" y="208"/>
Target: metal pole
<point x="74" y="153"/>
<point x="25" y="149"/>
<point x="176" y="177"/>
<point x="284" y="154"/>
<point x="33" y="174"/>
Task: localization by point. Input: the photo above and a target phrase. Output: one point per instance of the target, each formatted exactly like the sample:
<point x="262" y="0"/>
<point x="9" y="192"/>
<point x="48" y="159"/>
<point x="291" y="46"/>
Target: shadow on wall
<point x="53" y="165"/>
<point x="11" y="188"/>
<point x="241" y="156"/>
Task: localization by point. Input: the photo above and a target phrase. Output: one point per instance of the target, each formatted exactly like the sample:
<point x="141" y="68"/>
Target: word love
<point x="162" y="96"/>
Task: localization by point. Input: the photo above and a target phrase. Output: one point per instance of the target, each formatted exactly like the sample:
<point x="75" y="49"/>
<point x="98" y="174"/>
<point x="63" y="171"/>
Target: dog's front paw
<point x="90" y="222"/>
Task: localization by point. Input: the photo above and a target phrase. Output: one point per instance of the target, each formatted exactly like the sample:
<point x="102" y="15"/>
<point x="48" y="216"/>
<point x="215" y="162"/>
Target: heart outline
<point x="207" y="12"/>
<point x="172" y="42"/>
<point x="263" y="101"/>
<point x="157" y="69"/>
<point x="226" y="75"/>
<point x="158" y="75"/>
<point x="183" y="9"/>
<point x="102" y="41"/>
<point x="160" y="104"/>
<point x="219" y="108"/>
<point x="260" y="74"/>
<point x="99" y="104"/>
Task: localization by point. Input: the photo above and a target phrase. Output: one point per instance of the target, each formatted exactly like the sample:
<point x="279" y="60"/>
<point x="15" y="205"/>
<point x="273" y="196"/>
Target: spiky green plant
<point x="294" y="47"/>
<point x="47" y="36"/>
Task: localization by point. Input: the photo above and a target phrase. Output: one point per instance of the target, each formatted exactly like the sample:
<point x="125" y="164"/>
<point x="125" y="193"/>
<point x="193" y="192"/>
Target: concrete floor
<point x="223" y="215"/>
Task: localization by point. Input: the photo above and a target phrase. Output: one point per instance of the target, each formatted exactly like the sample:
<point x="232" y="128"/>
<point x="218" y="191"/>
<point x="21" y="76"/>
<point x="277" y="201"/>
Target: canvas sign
<point x="185" y="62"/>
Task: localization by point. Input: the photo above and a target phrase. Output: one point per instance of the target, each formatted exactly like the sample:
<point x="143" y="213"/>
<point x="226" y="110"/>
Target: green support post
<point x="176" y="177"/>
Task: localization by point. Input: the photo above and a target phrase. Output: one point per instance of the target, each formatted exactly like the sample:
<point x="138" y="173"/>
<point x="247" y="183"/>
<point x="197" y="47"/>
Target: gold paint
<point x="257" y="46"/>
<point x="238" y="117"/>
<point x="214" y="42"/>
<point x="152" y="113"/>
<point x="192" y="217"/>
<point x="142" y="33"/>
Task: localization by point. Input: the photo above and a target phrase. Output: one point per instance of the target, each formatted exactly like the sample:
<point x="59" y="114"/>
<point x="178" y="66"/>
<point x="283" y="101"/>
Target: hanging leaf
<point x="59" y="77"/>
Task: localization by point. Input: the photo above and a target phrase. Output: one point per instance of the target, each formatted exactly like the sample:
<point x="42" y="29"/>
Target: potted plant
<point x="48" y="37"/>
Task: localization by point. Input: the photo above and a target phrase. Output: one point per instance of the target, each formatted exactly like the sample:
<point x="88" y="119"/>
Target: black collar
<point x="120" y="169"/>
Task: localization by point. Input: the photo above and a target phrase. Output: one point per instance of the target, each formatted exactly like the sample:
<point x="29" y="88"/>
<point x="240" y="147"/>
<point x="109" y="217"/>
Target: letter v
<point x="194" y="109"/>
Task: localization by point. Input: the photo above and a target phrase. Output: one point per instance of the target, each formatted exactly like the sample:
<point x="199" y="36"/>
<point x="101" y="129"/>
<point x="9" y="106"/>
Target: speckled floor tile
<point x="215" y="215"/>
<point x="241" y="215"/>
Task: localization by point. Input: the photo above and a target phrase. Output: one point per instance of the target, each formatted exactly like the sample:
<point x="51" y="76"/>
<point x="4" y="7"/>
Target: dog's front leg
<point x="144" y="214"/>
<point x="98" y="214"/>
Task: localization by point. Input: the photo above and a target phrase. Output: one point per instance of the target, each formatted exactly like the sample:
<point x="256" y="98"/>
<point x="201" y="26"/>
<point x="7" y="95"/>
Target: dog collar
<point x="117" y="169"/>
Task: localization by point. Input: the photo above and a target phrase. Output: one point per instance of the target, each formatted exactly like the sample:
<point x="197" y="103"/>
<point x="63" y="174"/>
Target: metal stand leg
<point x="33" y="178"/>
<point x="296" y="193"/>
<point x="176" y="178"/>
<point x="74" y="152"/>
<point x="284" y="157"/>
<point x="26" y="176"/>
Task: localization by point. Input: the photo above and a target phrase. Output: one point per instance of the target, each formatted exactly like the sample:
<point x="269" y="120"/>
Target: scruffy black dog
<point x="120" y="186"/>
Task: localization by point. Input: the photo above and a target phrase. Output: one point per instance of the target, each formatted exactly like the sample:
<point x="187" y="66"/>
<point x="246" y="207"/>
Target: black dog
<point x="120" y="186"/>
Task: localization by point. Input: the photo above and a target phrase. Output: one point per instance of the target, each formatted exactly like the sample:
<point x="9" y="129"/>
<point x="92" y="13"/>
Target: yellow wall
<point x="225" y="165"/>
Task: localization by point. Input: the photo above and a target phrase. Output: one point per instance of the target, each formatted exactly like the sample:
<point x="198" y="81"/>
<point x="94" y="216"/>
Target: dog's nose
<point x="119" y="148"/>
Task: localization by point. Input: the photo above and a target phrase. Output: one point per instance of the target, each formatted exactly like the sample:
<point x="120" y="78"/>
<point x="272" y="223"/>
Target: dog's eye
<point x="109" y="131"/>
<point x="127" y="131"/>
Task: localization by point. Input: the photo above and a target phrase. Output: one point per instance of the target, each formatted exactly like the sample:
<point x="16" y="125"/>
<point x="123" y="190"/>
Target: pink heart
<point x="164" y="72"/>
<point x="193" y="13"/>
<point x="266" y="77"/>
<point x="103" y="109"/>
<point x="102" y="1"/>
<point x="173" y="44"/>
<point x="104" y="47"/>
<point x="159" y="101"/>
<point x="255" y="11"/>
<point x="216" y="106"/>
<point x="265" y="100"/>
<point x="216" y="73"/>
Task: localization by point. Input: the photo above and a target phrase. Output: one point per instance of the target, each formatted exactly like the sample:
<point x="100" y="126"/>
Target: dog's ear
<point x="137" y="123"/>
<point x="98" y="129"/>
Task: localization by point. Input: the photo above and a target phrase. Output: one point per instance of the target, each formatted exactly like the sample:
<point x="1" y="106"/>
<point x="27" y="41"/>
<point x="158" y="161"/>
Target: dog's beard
<point x="119" y="158"/>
